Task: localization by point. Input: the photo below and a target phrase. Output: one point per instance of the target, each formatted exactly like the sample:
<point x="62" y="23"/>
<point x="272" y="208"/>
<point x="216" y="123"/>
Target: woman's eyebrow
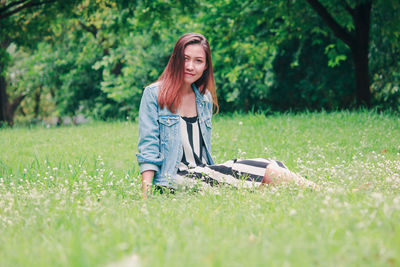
<point x="201" y="57"/>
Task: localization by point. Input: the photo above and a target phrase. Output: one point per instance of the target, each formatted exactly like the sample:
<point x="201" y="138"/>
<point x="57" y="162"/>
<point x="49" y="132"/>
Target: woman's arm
<point x="147" y="181"/>
<point x="149" y="156"/>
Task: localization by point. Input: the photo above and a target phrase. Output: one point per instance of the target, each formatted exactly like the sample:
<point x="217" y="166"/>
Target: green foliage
<point x="79" y="83"/>
<point x="335" y="58"/>
<point x="129" y="68"/>
<point x="29" y="74"/>
<point x="104" y="59"/>
<point x="267" y="55"/>
<point x="24" y="23"/>
<point x="311" y="84"/>
<point x="385" y="52"/>
<point x="30" y="25"/>
<point x="242" y="56"/>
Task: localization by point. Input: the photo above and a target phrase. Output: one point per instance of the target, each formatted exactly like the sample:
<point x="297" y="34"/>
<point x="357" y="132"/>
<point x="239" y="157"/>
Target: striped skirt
<point x="247" y="173"/>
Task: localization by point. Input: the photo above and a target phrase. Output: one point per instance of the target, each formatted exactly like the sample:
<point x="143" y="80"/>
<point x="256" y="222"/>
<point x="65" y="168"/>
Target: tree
<point x="105" y="53"/>
<point x="357" y="39"/>
<point x="277" y="22"/>
<point x="267" y="54"/>
<point x="24" y="23"/>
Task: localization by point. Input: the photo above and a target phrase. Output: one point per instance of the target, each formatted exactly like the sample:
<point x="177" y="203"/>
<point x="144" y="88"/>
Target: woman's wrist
<point x="147" y="182"/>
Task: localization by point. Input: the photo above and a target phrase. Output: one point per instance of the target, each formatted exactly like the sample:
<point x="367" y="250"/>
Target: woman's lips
<point x="190" y="74"/>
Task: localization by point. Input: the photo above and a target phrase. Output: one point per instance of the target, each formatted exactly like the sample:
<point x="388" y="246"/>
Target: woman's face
<point x="195" y="63"/>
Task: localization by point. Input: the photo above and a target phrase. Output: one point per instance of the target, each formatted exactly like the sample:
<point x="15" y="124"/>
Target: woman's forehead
<point x="195" y="50"/>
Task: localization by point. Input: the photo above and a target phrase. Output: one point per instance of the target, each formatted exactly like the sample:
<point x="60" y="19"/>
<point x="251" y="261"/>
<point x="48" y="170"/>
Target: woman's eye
<point x="200" y="61"/>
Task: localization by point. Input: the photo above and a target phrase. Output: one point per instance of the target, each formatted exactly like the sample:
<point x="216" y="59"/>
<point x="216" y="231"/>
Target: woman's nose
<point x="189" y="65"/>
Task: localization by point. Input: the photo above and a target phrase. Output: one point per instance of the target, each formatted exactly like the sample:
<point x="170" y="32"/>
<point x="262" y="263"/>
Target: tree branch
<point x="24" y="6"/>
<point x="338" y="30"/>
<point x="13" y="106"/>
<point x="4" y="8"/>
<point x="347" y="7"/>
<point x="91" y="28"/>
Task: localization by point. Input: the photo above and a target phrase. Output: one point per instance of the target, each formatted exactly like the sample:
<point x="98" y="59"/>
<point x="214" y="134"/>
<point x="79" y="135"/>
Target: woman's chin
<point x="189" y="81"/>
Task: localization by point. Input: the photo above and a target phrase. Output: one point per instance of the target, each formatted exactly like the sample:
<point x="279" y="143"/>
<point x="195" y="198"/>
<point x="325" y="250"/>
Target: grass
<point x="70" y="196"/>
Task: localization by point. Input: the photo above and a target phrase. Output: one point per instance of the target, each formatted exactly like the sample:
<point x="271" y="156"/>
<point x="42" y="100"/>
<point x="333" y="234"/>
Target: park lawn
<point x="70" y="196"/>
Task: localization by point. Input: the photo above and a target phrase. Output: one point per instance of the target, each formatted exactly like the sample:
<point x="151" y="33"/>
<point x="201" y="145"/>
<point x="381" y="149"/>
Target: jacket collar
<point x="196" y="90"/>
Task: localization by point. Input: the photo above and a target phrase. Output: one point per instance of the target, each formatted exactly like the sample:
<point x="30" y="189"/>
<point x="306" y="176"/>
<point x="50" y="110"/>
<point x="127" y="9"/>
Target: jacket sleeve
<point x="149" y="156"/>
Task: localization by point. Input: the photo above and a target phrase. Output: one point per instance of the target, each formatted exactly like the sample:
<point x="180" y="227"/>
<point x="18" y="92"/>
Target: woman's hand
<point x="147" y="182"/>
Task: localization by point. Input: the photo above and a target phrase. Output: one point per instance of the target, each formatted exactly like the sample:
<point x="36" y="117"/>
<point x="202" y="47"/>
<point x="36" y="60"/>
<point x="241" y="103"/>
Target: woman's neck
<point x="187" y="106"/>
<point x="186" y="89"/>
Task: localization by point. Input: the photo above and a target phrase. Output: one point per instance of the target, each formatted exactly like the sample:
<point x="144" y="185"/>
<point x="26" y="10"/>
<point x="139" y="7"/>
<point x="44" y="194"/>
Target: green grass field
<point x="70" y="196"/>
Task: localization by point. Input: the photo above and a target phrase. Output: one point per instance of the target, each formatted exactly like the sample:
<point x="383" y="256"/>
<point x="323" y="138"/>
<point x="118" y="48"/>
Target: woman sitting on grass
<point x="175" y="129"/>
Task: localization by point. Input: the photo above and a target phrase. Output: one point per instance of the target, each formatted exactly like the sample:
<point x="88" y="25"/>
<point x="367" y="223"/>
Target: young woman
<point x="175" y="128"/>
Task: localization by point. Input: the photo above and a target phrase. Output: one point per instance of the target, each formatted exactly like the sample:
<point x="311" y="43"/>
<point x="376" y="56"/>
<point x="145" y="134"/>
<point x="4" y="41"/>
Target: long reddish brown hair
<point x="171" y="80"/>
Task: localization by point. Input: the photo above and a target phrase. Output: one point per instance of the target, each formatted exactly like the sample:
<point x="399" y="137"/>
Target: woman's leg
<point x="248" y="173"/>
<point x="275" y="174"/>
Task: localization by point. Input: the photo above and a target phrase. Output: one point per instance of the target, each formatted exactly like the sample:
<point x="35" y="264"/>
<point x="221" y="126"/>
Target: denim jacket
<point x="160" y="147"/>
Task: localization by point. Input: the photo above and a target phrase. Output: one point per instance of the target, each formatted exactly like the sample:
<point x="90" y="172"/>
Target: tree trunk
<point x="12" y="107"/>
<point x="359" y="50"/>
<point x="3" y="97"/>
<point x="363" y="93"/>
<point x="358" y="42"/>
<point x="7" y="109"/>
<point x="36" y="109"/>
<point x="3" y="84"/>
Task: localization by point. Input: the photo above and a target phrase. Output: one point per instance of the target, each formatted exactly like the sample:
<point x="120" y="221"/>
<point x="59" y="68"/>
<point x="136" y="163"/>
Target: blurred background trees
<point x="60" y="58"/>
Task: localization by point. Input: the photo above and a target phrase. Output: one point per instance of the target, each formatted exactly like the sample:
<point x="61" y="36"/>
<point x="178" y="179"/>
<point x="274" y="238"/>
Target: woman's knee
<point x="274" y="174"/>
